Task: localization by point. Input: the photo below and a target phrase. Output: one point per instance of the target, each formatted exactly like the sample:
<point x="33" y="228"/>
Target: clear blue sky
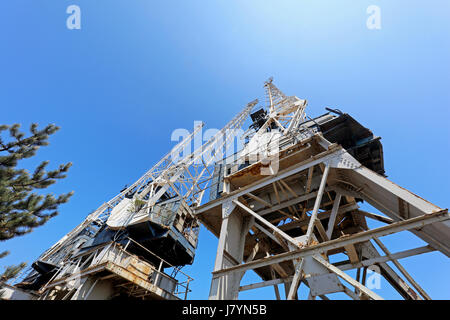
<point x="139" y="69"/>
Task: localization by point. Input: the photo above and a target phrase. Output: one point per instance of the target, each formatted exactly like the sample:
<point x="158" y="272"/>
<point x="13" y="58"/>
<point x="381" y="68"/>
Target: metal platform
<point x="109" y="271"/>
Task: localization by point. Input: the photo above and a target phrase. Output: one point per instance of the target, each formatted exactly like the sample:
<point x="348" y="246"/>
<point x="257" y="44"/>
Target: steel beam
<point x="264" y="284"/>
<point x="298" y="272"/>
<point x="341" y="242"/>
<point x="267" y="223"/>
<point x="402" y="270"/>
<point x="317" y="204"/>
<point x="333" y="215"/>
<point x="347" y="278"/>
<point x="382" y="259"/>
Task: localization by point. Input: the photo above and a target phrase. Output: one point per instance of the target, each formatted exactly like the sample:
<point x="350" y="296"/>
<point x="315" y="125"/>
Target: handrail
<point x="178" y="269"/>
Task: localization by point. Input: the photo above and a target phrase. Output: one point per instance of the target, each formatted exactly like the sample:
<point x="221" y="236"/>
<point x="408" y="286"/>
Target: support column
<point x="230" y="251"/>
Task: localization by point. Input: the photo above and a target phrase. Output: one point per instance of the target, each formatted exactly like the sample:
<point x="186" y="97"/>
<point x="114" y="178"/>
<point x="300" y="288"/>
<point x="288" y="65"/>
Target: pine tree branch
<point x="12" y="271"/>
<point x="3" y="254"/>
<point x="22" y="210"/>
